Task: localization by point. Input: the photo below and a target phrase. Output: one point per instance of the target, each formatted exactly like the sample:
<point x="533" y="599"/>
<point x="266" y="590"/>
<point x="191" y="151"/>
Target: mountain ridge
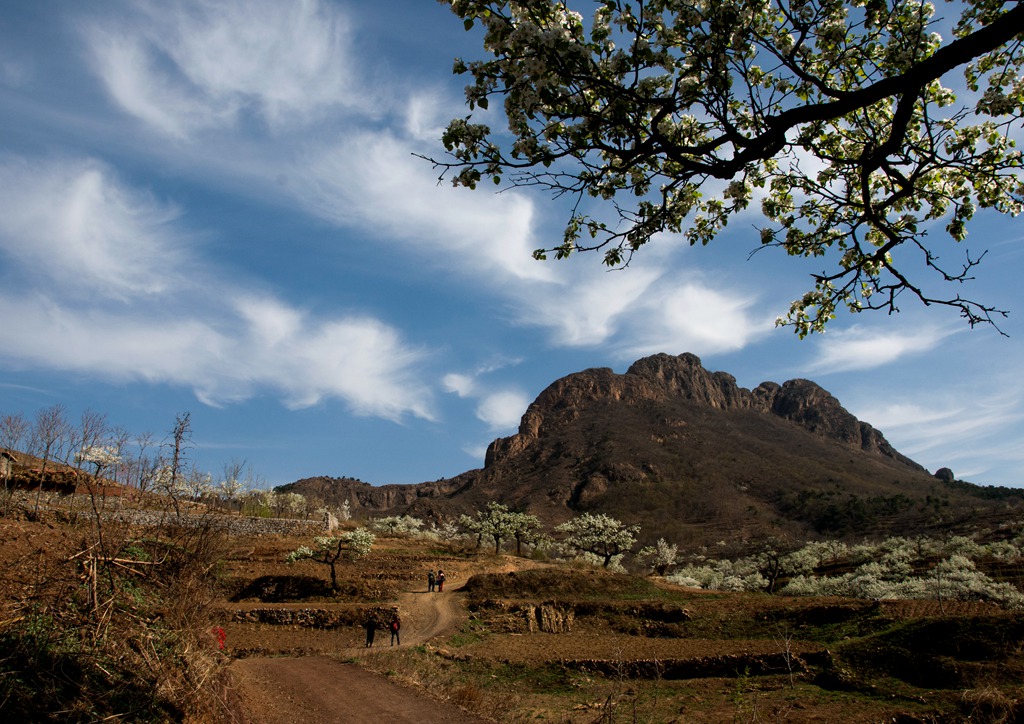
<point x="692" y="457"/>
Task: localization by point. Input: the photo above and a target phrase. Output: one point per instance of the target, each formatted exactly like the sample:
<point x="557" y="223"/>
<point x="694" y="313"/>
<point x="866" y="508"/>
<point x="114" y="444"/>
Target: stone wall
<point x="81" y="507"/>
<point x="238" y="525"/>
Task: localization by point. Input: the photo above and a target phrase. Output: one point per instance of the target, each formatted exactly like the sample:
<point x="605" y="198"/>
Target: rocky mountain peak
<point x="663" y="377"/>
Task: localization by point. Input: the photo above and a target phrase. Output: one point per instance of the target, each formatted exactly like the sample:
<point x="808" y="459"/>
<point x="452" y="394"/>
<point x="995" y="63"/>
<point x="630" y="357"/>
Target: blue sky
<point x="215" y="207"/>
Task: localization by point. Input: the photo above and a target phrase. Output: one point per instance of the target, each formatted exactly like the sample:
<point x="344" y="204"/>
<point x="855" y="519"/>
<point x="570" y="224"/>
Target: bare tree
<point x="233" y="483"/>
<point x="145" y="466"/>
<point x="49" y="432"/>
<point x="92" y="431"/>
<point x="118" y="439"/>
<point x="180" y="441"/>
<point x="13" y="431"/>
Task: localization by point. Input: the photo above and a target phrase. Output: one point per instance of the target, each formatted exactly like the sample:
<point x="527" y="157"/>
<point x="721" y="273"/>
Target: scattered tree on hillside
<point x="101" y="456"/>
<point x="659" y="557"/>
<point x="396" y="524"/>
<point x="471" y="528"/>
<point x="14" y="430"/>
<point x="495" y="522"/>
<point x="143" y="468"/>
<point x="526" y="529"/>
<point x="329" y="550"/>
<point x="49" y="432"/>
<point x="831" y="116"/>
<point x="232" y="486"/>
<point x="600" y="535"/>
<point x="172" y="470"/>
<point x="92" y="432"/>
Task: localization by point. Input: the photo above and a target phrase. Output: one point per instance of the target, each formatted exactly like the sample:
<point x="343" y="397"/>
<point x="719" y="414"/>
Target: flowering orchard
<point x="896" y="568"/>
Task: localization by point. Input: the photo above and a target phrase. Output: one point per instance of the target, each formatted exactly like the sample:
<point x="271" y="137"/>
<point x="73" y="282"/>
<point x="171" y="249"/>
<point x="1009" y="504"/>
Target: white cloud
<point x="13" y="73"/>
<point x="584" y="311"/>
<point x="360" y="360"/>
<point x="373" y="180"/>
<point x="693" y="317"/>
<point x="426" y="116"/>
<point x="183" y="67"/>
<point x="460" y="384"/>
<point x="105" y="284"/>
<point x="502" y="410"/>
<point x="860" y="348"/>
<point x="226" y="359"/>
<point x="72" y="221"/>
<point x="946" y="432"/>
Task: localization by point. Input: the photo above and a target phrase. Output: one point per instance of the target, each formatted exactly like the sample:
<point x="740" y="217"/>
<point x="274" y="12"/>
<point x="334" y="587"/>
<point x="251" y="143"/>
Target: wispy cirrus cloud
<point x="106" y="284"/>
<point x="690" y="315"/>
<point x="372" y="180"/>
<point x="183" y="67"/>
<point x="65" y="219"/>
<point x="861" y="348"/>
<point x="643" y="310"/>
<point x="945" y="430"/>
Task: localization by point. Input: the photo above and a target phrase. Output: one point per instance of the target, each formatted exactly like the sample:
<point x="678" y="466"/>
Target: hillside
<point x="694" y="458"/>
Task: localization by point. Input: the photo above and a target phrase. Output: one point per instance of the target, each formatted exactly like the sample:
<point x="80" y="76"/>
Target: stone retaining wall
<point x="239" y="525"/>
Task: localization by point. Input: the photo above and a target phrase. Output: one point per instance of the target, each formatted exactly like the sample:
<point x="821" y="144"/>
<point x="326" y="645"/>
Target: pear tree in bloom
<point x="838" y="118"/>
<point x="102" y="456"/>
<point x="525" y="528"/>
<point x="600" y="535"/>
<point x="397" y="524"/>
<point x="329" y="550"/>
<point x="660" y="557"/>
<point x="496" y="522"/>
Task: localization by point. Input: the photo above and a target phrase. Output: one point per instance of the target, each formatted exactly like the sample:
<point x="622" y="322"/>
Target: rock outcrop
<point x="662" y="377"/>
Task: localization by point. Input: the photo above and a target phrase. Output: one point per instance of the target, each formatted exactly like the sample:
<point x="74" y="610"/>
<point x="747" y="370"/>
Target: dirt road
<point x="323" y="690"/>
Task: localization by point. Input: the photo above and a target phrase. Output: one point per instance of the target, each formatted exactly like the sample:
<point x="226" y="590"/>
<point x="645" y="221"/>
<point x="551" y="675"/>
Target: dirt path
<point x="322" y="689"/>
<point x="429" y="615"/>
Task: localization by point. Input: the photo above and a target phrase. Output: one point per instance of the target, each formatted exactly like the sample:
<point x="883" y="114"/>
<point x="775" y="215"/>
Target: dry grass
<point x="118" y="630"/>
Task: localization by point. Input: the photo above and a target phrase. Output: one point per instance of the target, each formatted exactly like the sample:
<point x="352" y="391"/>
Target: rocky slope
<point x="692" y="457"/>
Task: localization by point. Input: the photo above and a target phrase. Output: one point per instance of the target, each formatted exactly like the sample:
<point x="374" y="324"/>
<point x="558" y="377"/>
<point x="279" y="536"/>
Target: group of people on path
<point x="394" y="625"/>
<point x="435" y="581"/>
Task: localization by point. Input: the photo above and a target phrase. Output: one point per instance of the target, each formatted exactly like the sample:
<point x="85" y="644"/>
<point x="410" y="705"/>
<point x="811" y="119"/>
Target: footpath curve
<point x="325" y="690"/>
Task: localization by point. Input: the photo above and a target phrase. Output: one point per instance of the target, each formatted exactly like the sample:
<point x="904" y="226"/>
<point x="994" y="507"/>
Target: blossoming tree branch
<point x="838" y="118"/>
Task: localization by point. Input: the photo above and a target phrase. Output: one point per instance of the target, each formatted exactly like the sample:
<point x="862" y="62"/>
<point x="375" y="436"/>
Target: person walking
<point x="371" y="629"/>
<point x="440" y="580"/>
<point x="396" y="627"/>
<point x="430" y="581"/>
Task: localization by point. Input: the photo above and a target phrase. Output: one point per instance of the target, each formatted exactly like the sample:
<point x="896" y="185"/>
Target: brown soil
<point x="323" y="690"/>
<point x="315" y="685"/>
<point x="322" y="673"/>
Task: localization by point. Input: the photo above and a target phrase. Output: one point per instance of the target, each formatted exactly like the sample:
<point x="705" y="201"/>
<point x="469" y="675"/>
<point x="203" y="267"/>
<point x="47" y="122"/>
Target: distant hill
<point x="696" y="459"/>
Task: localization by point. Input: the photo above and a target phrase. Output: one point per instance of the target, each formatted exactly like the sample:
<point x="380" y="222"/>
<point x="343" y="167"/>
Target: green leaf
<point x="468" y="23"/>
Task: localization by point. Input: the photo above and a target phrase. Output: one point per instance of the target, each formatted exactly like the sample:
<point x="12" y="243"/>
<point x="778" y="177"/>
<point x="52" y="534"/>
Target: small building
<point x="6" y="464"/>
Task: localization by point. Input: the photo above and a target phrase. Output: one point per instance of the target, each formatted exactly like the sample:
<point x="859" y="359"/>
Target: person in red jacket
<point x="396" y="627"/>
